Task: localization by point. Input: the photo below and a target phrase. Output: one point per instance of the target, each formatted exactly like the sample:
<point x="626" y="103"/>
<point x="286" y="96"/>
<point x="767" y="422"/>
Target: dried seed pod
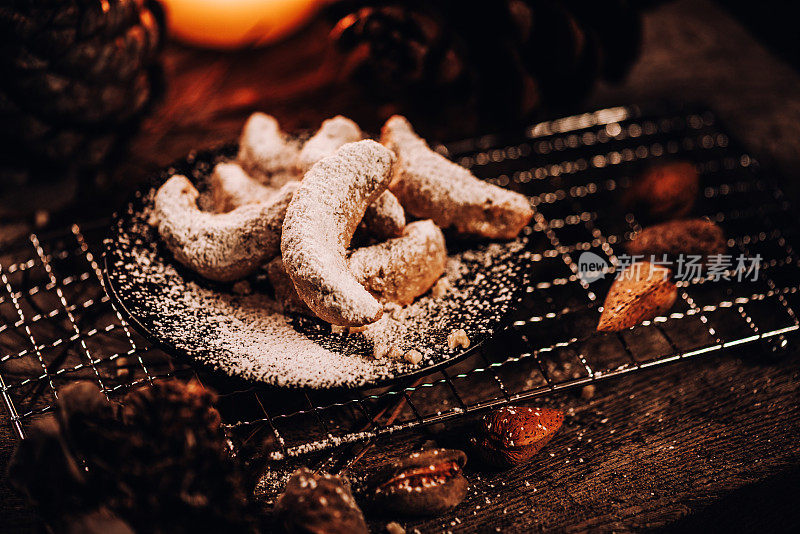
<point x="195" y="484"/>
<point x="44" y="470"/>
<point x="85" y="416"/>
<point x="319" y="503"/>
<point x="665" y="191"/>
<point x="690" y="237"/>
<point x="80" y="403"/>
<point x="641" y="292"/>
<point x="512" y="435"/>
<point x="423" y="483"/>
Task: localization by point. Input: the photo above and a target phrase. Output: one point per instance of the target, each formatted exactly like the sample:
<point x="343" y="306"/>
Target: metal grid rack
<point x="57" y="324"/>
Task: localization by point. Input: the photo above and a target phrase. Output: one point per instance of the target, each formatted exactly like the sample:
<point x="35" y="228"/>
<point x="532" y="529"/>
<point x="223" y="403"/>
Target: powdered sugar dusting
<point x="267" y="153"/>
<point x="384" y="218"/>
<point x="332" y="134"/>
<point x="231" y="187"/>
<point x="219" y="246"/>
<point x="430" y="186"/>
<point x="247" y="336"/>
<point x="400" y="269"/>
<point x="320" y="221"/>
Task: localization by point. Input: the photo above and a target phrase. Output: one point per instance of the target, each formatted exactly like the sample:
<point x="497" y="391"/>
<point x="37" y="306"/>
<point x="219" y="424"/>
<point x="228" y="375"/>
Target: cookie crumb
<point x="413" y="356"/>
<point x="395" y="528"/>
<point x="242" y="287"/>
<point x="441" y="288"/>
<point x="384" y="350"/>
<point x="336" y="329"/>
<point x="152" y="219"/>
<point x="458" y="338"/>
<point x="587" y="392"/>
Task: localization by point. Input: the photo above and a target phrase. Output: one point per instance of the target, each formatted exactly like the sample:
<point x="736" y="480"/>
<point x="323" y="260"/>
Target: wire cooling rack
<point x="57" y="324"/>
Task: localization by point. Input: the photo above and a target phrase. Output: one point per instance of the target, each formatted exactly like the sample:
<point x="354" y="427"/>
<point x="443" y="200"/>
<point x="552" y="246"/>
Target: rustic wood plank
<point x="643" y="452"/>
<point x="708" y="443"/>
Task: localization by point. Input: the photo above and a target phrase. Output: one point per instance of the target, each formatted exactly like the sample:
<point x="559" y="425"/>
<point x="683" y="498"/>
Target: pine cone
<point x="160" y="463"/>
<point x="174" y="467"/>
<point x="570" y="44"/>
<point x="75" y="77"/>
<point x="617" y="29"/>
<point x="398" y="48"/>
<point x="45" y="471"/>
<point x="499" y="58"/>
<point x="49" y="466"/>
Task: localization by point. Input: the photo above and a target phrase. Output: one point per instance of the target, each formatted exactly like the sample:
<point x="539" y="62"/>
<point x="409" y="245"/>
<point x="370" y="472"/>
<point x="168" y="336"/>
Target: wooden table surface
<point x="709" y="444"/>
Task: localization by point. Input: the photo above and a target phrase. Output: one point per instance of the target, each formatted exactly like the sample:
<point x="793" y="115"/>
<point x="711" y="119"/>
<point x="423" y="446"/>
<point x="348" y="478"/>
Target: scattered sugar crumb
<point x="441" y="288"/>
<point x="413" y="356"/>
<point x="458" y="338"/>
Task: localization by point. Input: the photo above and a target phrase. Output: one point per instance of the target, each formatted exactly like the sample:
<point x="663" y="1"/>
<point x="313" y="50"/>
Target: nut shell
<point x="319" y="503"/>
<point x="513" y="435"/>
<point x="690" y="237"/>
<point x="423" y="483"/>
<point x="642" y="292"/>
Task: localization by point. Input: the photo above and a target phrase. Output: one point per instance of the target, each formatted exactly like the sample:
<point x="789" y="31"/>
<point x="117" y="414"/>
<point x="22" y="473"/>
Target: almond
<point x="665" y="191"/>
<point x="642" y="291"/>
<point x="690" y="237"/>
<point x="423" y="483"/>
<point x="318" y="502"/>
<point x="514" y="434"/>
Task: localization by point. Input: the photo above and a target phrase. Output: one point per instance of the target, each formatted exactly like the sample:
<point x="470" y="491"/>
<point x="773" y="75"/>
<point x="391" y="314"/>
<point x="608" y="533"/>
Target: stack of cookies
<point x="296" y="209"/>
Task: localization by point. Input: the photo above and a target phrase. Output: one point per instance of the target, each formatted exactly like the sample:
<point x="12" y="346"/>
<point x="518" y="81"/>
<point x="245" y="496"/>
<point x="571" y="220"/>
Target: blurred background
<point x="96" y="95"/>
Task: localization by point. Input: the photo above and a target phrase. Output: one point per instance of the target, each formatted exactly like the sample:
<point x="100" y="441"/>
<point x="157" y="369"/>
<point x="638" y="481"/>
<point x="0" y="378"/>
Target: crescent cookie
<point x="398" y="270"/>
<point x="231" y="187"/>
<point x="320" y="221"/>
<point x="265" y="152"/>
<point x="285" y="293"/>
<point x="385" y="217"/>
<point x="430" y="186"/>
<point x="332" y="134"/>
<point x="219" y="246"/>
<point x="401" y="269"/>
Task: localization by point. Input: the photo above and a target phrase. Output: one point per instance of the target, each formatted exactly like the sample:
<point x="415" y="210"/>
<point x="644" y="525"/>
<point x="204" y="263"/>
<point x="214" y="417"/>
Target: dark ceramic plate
<point x="226" y="332"/>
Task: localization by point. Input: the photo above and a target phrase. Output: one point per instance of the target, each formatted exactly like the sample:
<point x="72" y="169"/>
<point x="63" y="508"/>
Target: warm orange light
<point x="236" y="23"/>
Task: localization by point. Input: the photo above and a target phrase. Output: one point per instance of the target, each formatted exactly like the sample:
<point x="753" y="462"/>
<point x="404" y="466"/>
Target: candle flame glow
<point x="236" y="23"/>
